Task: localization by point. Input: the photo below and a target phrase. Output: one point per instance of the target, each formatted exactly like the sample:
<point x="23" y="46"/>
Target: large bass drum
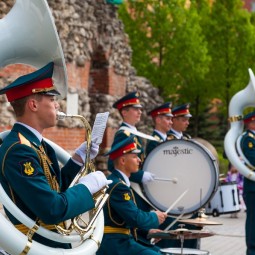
<point x="181" y="167"/>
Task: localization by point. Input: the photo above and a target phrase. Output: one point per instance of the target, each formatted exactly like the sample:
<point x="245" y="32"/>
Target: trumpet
<point x="78" y="223"/>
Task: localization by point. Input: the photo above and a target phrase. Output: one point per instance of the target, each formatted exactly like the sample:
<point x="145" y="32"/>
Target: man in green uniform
<point x="162" y="117"/>
<point x="181" y="116"/>
<point x="30" y="173"/>
<point x="248" y="149"/>
<point x="130" y="110"/>
<point x="122" y="216"/>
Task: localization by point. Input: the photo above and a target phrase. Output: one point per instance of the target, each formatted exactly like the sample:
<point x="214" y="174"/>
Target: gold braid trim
<point x="109" y="211"/>
<point x="134" y="230"/>
<point x="4" y="158"/>
<point x="27" y="248"/>
<point x="24" y="229"/>
<point x="108" y="205"/>
<point x="45" y="162"/>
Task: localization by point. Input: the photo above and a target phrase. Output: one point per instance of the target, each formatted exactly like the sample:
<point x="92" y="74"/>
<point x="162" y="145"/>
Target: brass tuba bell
<point x="29" y="36"/>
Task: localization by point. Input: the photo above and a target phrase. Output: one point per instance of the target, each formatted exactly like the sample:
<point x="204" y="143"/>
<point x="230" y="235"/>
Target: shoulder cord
<point x="109" y="208"/>
<point x="45" y="162"/>
<point x="31" y="231"/>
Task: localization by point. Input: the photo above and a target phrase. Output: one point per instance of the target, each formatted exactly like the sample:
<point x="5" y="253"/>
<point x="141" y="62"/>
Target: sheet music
<point x="99" y="127"/>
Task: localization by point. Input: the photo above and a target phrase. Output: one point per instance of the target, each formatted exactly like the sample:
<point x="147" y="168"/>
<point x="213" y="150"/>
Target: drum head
<point x="194" y="169"/>
<point x="173" y="251"/>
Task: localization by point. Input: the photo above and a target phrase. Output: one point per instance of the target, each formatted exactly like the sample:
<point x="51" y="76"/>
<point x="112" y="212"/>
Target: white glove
<point x="82" y="150"/>
<point x="95" y="181"/>
<point x="147" y="177"/>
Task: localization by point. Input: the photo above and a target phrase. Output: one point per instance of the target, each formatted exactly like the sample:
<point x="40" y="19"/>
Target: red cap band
<point x="249" y="119"/>
<point x="181" y="112"/>
<point x="160" y="111"/>
<point x="128" y="102"/>
<point x="122" y="151"/>
<point x="17" y="92"/>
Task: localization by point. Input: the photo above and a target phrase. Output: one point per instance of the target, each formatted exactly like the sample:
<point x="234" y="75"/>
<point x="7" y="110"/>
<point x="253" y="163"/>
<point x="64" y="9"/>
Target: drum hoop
<point x="206" y="152"/>
<point x="168" y="250"/>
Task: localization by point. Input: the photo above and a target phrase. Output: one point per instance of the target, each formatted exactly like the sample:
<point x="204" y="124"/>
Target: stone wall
<point x="98" y="59"/>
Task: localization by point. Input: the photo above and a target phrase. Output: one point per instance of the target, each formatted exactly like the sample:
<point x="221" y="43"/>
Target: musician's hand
<point x="82" y="150"/>
<point x="161" y="216"/>
<point x="147" y="177"/>
<point x="155" y="240"/>
<point x="94" y="181"/>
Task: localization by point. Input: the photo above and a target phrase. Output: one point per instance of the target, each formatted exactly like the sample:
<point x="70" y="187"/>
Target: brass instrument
<point x="241" y="100"/>
<point x="78" y="223"/>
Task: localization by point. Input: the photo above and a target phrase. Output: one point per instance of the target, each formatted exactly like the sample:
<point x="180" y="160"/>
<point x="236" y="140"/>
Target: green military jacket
<point x="151" y="144"/>
<point x="248" y="149"/>
<point x="25" y="180"/>
<point x="121" y="213"/>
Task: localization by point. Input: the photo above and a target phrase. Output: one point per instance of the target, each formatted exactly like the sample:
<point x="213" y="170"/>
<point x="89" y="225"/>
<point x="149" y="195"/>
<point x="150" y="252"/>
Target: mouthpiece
<point x="61" y="115"/>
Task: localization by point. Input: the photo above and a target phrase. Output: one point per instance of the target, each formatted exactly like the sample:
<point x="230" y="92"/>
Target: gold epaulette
<point x="127" y="133"/>
<point x="158" y="138"/>
<point x="23" y="140"/>
<point x="251" y="134"/>
<point x="171" y="137"/>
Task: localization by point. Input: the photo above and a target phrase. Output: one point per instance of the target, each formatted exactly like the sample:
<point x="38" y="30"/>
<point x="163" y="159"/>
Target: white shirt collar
<point x="34" y="131"/>
<point x="130" y="126"/>
<point x="125" y="178"/>
<point x="253" y="131"/>
<point x="178" y="134"/>
<point x="164" y="136"/>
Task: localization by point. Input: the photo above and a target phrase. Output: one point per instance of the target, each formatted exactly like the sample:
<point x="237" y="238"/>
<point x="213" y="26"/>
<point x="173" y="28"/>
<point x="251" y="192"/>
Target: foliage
<point x="194" y="51"/>
<point x="230" y="36"/>
<point x="168" y="46"/>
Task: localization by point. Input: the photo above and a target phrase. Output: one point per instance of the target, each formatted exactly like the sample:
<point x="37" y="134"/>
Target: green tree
<point x="230" y="36"/>
<point x="168" y="48"/>
<point x="193" y="53"/>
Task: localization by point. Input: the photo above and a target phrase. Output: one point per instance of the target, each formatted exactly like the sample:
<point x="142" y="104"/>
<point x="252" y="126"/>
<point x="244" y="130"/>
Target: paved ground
<point x="229" y="238"/>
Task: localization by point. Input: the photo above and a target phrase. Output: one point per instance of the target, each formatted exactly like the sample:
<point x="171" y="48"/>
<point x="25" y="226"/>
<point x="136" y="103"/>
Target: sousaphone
<point x="28" y="36"/>
<point x="241" y="100"/>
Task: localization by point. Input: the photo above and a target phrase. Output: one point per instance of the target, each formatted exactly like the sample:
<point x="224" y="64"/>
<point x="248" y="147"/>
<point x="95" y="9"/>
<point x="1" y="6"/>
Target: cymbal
<point x="181" y="232"/>
<point x="199" y="222"/>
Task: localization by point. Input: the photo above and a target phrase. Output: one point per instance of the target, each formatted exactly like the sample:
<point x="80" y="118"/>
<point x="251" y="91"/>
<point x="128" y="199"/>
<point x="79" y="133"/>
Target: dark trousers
<point x="249" y="198"/>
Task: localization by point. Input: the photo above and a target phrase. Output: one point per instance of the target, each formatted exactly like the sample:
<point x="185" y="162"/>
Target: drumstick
<point x="170" y="208"/>
<point x="174" y="180"/>
<point x="168" y="227"/>
<point x="176" y="201"/>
